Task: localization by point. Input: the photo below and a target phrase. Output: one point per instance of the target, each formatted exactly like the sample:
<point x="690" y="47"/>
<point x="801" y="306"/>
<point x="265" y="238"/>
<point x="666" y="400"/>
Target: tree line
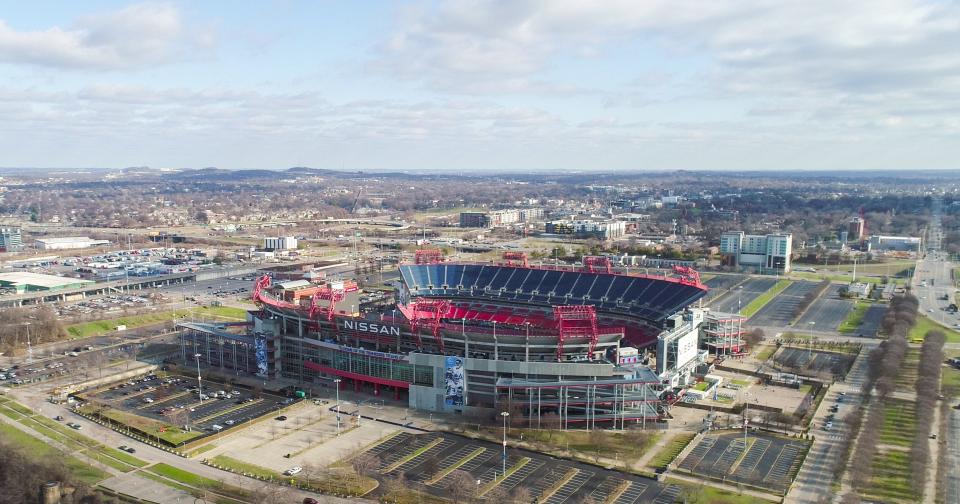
<point x="884" y="365"/>
<point x="39" y="325"/>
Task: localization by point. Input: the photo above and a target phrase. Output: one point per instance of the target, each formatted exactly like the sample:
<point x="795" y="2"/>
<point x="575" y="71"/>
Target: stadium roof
<point x="40" y="280"/>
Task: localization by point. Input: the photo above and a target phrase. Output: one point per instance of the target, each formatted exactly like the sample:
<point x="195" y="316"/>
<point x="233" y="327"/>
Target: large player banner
<point x="260" y="350"/>
<point x="455" y="380"/>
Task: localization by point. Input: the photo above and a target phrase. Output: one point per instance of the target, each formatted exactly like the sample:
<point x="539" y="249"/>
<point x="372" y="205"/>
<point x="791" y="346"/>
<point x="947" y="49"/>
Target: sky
<point x="511" y="85"/>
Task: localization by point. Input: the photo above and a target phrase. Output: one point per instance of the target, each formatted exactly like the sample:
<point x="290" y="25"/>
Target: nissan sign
<point x="371" y="327"/>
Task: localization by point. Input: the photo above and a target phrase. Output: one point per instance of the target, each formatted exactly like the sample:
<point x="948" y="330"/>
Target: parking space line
<point x="632" y="493"/>
<point x="668" y="495"/>
<point x="570" y="488"/>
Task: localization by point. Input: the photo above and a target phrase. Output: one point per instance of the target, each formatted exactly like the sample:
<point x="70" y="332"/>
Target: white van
<point x="216" y="428"/>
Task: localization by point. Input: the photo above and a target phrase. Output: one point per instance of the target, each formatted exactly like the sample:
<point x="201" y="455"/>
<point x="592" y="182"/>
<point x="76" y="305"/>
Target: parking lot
<point x="719" y="284"/>
<point x="827" y="312"/>
<point x="780" y="310"/>
<point x="175" y="400"/>
<point x="814" y="362"/>
<point x="765" y="460"/>
<point x="871" y="320"/>
<point x="745" y="293"/>
<point x="540" y="474"/>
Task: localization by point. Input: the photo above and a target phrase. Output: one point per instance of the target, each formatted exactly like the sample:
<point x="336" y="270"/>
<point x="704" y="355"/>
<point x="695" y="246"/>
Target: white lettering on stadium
<point x="371" y="328"/>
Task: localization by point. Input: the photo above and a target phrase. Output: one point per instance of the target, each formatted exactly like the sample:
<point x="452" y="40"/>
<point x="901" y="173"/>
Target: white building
<point x="768" y="253"/>
<point x="895" y="243"/>
<point x="280" y="243"/>
<point x="678" y="348"/>
<point x="603" y="230"/>
<point x="69" y="242"/>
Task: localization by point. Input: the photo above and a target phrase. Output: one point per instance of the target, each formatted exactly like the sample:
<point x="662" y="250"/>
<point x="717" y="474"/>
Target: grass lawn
<point x="172" y="435"/>
<point x="669" y="452"/>
<point x="854" y="318"/>
<point x="742" y="383"/>
<point x="203" y="449"/>
<point x="100" y="327"/>
<point x="899" y="423"/>
<point x="764" y="352"/>
<point x="80" y="469"/>
<point x="183" y="476"/>
<point x="704" y="493"/>
<point x="701" y="386"/>
<point x="950" y="381"/>
<point x="925" y="324"/>
<point x="891" y="477"/>
<point x="762" y="300"/>
<point x="908" y="370"/>
<point x="834" y="277"/>
<point x="627" y="446"/>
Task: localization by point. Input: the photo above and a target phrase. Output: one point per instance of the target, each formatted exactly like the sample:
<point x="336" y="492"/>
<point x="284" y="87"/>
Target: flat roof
<point x="40" y="280"/>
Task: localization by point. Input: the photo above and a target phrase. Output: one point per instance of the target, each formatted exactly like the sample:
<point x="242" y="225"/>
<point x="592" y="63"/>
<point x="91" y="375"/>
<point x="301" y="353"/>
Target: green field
<point x="669" y="452"/>
<point x="707" y="494"/>
<point x="100" y="327"/>
<point x="925" y="324"/>
<point x="80" y="469"/>
<point x="899" y="423"/>
<point x="172" y="434"/>
<point x="891" y="477"/>
<point x="764" y="352"/>
<point x="762" y="300"/>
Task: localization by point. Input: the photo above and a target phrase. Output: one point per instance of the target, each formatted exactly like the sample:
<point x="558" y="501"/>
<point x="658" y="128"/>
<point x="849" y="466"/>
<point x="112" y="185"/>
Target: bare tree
<point x="462" y="486"/>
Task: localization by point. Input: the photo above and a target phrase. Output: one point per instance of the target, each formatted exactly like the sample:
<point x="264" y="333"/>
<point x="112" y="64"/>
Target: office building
<point x="10" y="240"/>
<point x="280" y="243"/>
<point x="767" y="253"/>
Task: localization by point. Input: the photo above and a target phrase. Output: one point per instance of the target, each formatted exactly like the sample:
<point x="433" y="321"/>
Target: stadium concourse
<point x="471" y="338"/>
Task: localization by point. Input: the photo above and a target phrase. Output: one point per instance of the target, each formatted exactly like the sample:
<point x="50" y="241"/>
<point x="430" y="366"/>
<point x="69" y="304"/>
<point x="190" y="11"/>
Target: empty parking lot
<point x="744" y="293"/>
<point x="807" y="361"/>
<point x="549" y="480"/>
<point x="827" y="312"/>
<point x="780" y="310"/>
<point x="764" y="460"/>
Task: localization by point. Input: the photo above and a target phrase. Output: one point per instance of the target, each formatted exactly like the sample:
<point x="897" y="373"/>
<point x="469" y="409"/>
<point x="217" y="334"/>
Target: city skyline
<point x="496" y="86"/>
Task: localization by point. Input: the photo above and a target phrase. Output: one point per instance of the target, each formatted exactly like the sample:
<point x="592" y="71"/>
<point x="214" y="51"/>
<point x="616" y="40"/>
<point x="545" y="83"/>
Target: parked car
<point x="293" y="470"/>
<point x="281" y="418"/>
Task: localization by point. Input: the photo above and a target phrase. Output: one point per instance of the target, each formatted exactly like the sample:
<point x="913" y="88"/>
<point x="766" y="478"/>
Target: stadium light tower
<point x="199" y="384"/>
<point x="504" y="414"/>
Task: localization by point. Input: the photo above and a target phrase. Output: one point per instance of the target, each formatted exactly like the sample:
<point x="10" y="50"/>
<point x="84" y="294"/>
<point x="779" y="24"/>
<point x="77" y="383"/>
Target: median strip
<point x="559" y="484"/>
<point x="496" y="481"/>
<point x="415" y="454"/>
<point x="754" y="306"/>
<point x="442" y="474"/>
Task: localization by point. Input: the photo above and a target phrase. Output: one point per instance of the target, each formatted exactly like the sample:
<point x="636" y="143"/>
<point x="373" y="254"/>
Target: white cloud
<point x="135" y="36"/>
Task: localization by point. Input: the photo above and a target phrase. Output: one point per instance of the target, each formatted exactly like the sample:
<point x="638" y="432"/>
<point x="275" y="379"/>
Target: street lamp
<point x="504" y="414"/>
<point x="199" y="385"/>
<point x="337" y="383"/>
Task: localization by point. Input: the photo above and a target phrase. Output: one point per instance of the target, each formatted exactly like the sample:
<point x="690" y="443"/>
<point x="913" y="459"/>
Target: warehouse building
<point x="31" y="282"/>
<point x="69" y="242"/>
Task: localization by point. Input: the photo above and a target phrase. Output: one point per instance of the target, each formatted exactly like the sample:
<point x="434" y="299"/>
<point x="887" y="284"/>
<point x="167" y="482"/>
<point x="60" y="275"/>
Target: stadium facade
<point x="562" y="345"/>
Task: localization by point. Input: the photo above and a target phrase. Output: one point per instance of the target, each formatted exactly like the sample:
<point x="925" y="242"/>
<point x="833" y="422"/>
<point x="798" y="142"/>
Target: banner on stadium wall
<point x="260" y="351"/>
<point x="455" y="379"/>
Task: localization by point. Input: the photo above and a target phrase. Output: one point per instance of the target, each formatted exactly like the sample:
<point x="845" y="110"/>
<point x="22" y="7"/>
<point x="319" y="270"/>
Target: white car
<point x="293" y="470"/>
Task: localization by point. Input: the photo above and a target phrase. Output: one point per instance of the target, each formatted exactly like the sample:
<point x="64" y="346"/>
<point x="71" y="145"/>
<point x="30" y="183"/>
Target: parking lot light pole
<point x="504" y="414"/>
<point x="199" y="385"/>
<point x="336" y="382"/>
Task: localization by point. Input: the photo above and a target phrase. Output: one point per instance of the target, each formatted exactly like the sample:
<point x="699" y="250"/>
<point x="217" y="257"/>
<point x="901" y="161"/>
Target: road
<point x="814" y="481"/>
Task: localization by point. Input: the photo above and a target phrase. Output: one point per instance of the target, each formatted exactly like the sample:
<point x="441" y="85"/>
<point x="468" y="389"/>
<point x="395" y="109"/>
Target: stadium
<point x="567" y="344"/>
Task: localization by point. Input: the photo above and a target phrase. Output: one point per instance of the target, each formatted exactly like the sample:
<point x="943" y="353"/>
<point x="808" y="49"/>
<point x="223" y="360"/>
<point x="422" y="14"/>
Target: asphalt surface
<point x="745" y="293"/>
<point x="780" y="310"/>
<point x="203" y="415"/>
<point x="828" y="311"/>
<point x="770" y="462"/>
<point x="871" y="321"/>
<point x="539" y="475"/>
<point x="952" y="490"/>
<point x="720" y="284"/>
<point x="814" y="361"/>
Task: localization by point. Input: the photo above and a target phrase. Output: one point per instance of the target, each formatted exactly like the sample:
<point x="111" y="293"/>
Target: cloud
<point x="136" y="36"/>
<point x="817" y="55"/>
